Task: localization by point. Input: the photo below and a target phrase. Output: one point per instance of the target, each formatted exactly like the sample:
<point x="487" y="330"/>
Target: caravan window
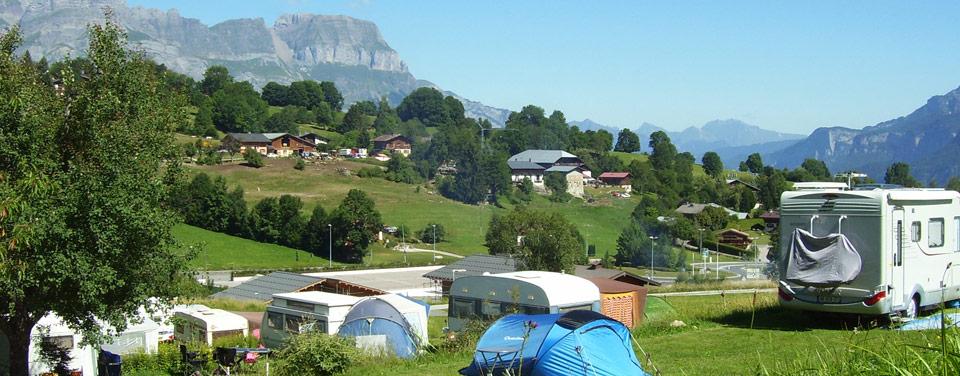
<point x="62" y="342"/>
<point x="490" y="309"/>
<point x="587" y="307"/>
<point x="275" y="320"/>
<point x="956" y="226"/>
<point x="935" y="232"/>
<point x="534" y="310"/>
<point x="463" y="308"/>
<point x="293" y="323"/>
<point x="915" y="231"/>
<point x="293" y="304"/>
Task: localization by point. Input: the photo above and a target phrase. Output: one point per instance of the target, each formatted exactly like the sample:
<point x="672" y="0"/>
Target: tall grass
<point x="891" y="356"/>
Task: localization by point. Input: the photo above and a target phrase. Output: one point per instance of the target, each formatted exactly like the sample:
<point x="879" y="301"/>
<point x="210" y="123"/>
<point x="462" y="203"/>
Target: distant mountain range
<point x="928" y="139"/>
<point x="345" y="50"/>
<point x="732" y="139"/>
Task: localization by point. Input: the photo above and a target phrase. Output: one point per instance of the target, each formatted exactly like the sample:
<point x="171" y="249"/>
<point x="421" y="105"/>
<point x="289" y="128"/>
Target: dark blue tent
<point x="575" y="343"/>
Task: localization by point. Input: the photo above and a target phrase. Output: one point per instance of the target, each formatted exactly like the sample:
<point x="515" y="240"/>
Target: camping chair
<point x="192" y="362"/>
<point x="226" y="358"/>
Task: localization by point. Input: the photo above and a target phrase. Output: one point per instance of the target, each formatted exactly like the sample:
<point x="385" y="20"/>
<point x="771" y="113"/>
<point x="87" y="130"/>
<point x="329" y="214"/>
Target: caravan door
<point x="899" y="292"/>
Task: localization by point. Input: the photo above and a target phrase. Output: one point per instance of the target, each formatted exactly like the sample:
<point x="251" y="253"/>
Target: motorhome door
<point x="898" y="292"/>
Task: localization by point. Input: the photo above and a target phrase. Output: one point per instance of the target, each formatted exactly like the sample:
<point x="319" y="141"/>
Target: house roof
<point x="735" y="231"/>
<point x="614" y="175"/>
<point x="770" y="215"/>
<point x="596" y="271"/>
<point x="249" y="137"/>
<point x="524" y="165"/>
<point x="475" y="265"/>
<point x="315" y="135"/>
<point x="563" y="169"/>
<point x="694" y="209"/>
<point x="541" y="156"/>
<point x="389" y="137"/>
<point x="612" y="286"/>
<point x="263" y="287"/>
<point x="748" y="185"/>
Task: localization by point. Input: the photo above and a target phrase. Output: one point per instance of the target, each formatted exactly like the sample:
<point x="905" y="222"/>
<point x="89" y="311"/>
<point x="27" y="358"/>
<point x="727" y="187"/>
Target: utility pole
<point x="330" y="244"/>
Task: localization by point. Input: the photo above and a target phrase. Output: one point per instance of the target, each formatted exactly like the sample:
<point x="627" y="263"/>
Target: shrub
<point x="466" y="339"/>
<point x="427" y="234"/>
<point x="166" y="361"/>
<point x="253" y="158"/>
<point x="300" y="165"/>
<point x="316" y="354"/>
<point x="370" y="172"/>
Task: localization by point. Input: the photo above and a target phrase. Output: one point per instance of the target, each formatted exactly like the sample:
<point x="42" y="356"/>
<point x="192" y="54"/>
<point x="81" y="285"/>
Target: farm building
<point x="618" y="179"/>
<point x="262" y="288"/>
<point x="393" y="143"/>
<point x="771" y="220"/>
<point x="280" y="144"/>
<point x="735" y="238"/>
<point x="316" y="139"/>
<point x="691" y="210"/>
<point x="534" y="164"/>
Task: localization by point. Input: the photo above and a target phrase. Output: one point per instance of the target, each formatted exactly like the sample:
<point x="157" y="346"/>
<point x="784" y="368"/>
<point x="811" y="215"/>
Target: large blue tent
<point x="378" y="320"/>
<point x="574" y="343"/>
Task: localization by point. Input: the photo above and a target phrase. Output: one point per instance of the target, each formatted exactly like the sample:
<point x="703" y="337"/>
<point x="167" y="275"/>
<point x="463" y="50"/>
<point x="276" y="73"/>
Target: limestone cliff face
<point x="350" y="52"/>
<point x="315" y="39"/>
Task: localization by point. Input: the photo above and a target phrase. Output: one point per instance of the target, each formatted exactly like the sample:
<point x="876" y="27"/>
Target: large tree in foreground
<point x="84" y="175"/>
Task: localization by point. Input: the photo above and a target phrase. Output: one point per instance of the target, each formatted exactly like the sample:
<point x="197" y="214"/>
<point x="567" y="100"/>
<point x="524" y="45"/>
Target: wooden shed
<point x="621" y="301"/>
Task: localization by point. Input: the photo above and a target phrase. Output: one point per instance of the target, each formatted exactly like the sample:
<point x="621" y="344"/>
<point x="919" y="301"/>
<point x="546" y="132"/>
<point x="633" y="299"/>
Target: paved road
<point x="421" y="250"/>
<point x="743" y="269"/>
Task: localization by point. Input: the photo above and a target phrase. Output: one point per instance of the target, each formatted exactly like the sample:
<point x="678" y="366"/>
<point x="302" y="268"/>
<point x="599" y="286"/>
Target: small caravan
<point x="52" y="329"/>
<point x="296" y="312"/>
<point x="387" y="324"/>
<point x="874" y="251"/>
<point x="142" y="335"/>
<point x="199" y="323"/>
<point x="529" y="292"/>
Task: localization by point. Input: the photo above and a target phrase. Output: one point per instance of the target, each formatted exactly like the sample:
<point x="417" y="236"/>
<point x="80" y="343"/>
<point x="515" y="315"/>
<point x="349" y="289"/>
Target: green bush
<point x="728" y="249"/>
<point x="316" y="354"/>
<point x="253" y="158"/>
<point x="236" y="341"/>
<point x="370" y="172"/>
<point x="165" y="362"/>
<point x="466" y="339"/>
<point x="300" y="165"/>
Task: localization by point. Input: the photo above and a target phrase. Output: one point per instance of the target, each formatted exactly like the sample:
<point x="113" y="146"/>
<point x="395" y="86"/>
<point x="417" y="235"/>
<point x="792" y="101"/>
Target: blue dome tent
<point x="387" y="324"/>
<point x="574" y="343"/>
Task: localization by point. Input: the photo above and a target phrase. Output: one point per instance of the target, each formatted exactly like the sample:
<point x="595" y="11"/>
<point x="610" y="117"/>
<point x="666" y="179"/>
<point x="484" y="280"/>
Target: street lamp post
<point x="653" y="240"/>
<point x="330" y="244"/>
<point x="434" y="239"/>
<point x="403" y="243"/>
<point x="700" y="249"/>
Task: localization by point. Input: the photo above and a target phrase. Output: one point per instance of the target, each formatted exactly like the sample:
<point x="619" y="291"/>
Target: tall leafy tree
<point x="215" y="78"/>
<point x="712" y="164"/>
<point x="355" y="223"/>
<point x="289" y="221"/>
<point x="84" y="226"/>
<point x="307" y="94"/>
<point x="238" y="108"/>
<point x="817" y="168"/>
<point x="316" y="234"/>
<point x="772" y="185"/>
<point x="953" y="184"/>
<point x="331" y="95"/>
<point x="427" y="105"/>
<point x="547" y="241"/>
<point x="627" y="141"/>
<point x="754" y="164"/>
<point x="275" y="94"/>
<point x="899" y="173"/>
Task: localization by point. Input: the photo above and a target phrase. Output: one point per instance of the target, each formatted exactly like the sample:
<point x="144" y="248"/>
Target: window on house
<point x="915" y="231"/>
<point x="935" y="233"/>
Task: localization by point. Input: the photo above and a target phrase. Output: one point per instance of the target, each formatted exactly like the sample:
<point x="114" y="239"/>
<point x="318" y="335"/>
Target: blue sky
<point x="787" y="66"/>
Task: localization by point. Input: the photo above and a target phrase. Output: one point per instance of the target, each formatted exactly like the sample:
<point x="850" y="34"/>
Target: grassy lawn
<point x="599" y="221"/>
<point x="224" y="252"/>
<point x="716" y="340"/>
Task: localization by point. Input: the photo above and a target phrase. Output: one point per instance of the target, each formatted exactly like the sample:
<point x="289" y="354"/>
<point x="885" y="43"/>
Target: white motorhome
<point x="487" y="297"/>
<point x="295" y="312"/>
<point x="199" y="323"/>
<point x="873" y="251"/>
<point x="52" y="329"/>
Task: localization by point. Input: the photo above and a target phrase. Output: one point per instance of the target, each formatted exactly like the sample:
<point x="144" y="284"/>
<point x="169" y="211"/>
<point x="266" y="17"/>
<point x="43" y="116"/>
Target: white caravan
<point x="869" y="251"/>
<point x="199" y="323"/>
<point x="52" y="329"/>
<point x="297" y="312"/>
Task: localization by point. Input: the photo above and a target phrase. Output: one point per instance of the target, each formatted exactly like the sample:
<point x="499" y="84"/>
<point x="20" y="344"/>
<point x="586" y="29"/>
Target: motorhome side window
<point x="275" y="320"/>
<point x="935" y="232"/>
<point x="576" y="308"/>
<point x="915" y="231"/>
<point x="956" y="228"/>
<point x="301" y="306"/>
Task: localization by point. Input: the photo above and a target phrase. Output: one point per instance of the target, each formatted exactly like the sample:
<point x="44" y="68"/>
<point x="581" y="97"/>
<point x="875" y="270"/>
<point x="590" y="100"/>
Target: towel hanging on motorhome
<point x="827" y="260"/>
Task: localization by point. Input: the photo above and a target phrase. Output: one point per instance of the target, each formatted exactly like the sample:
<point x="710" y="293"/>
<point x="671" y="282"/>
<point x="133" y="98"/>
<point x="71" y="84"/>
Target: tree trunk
<point x="17" y="329"/>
